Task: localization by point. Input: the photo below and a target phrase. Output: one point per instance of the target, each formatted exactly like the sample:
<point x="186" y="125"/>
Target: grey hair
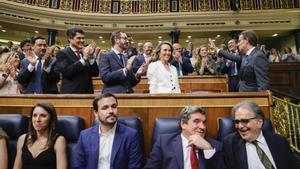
<point x="187" y="110"/>
<point x="252" y="106"/>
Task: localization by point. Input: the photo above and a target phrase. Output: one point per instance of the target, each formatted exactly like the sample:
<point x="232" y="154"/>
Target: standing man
<point x="77" y="65"/>
<point x="231" y="67"/>
<point x="37" y="73"/>
<point x="189" y="149"/>
<point x="253" y="148"/>
<point x="115" y="69"/>
<point x="182" y="64"/>
<point x="189" y="51"/>
<point x="254" y="68"/>
<point x="110" y="144"/>
<point x="144" y="58"/>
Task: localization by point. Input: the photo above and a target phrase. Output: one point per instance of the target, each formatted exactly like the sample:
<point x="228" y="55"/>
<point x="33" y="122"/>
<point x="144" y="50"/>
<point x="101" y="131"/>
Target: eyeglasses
<point x="243" y="121"/>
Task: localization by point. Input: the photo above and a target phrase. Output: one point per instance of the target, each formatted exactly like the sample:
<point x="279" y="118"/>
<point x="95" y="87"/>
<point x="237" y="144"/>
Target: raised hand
<point x="199" y="142"/>
<point x="30" y="56"/>
<point x="142" y="69"/>
<point x="211" y="44"/>
<point x="89" y="51"/>
<point x="130" y="62"/>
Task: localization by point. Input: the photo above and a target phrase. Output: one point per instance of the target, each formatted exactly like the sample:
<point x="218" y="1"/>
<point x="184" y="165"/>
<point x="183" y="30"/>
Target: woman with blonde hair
<point x="42" y="146"/>
<point x="3" y="150"/>
<point x="205" y="65"/>
<point x="53" y="50"/>
<point x="8" y="73"/>
<point x="162" y="76"/>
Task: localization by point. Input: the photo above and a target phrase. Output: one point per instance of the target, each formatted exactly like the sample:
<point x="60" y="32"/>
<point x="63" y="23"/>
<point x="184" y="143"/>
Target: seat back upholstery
<point x="226" y="126"/>
<point x="70" y="127"/>
<point x="14" y="125"/>
<point x="164" y="126"/>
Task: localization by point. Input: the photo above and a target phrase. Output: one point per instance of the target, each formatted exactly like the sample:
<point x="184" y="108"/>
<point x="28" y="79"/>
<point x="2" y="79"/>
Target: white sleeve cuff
<point x="48" y="69"/>
<point x="209" y="153"/>
<point x="30" y="68"/>
<point x="83" y="62"/>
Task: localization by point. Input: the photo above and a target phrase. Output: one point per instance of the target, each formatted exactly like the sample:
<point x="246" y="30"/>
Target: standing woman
<point x="3" y="150"/>
<point x="162" y="76"/>
<point x="205" y="64"/>
<point x="41" y="147"/>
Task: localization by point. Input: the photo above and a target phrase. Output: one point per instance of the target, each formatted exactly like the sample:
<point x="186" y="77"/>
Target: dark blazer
<point x="76" y="77"/>
<point x="254" y="70"/>
<point x="126" y="150"/>
<point x="49" y="80"/>
<point x="167" y="153"/>
<point x="236" y="155"/>
<point x="186" y="65"/>
<point x="112" y="74"/>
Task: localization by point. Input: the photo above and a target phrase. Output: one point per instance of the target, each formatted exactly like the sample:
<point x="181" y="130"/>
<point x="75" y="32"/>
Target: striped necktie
<point x="262" y="156"/>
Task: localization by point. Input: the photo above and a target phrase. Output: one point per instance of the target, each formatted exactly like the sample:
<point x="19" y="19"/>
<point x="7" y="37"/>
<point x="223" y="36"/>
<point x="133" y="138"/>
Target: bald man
<point x="143" y="58"/>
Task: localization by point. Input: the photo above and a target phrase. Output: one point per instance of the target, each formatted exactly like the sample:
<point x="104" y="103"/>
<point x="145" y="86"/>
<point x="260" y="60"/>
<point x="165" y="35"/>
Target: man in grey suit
<point x="115" y="69"/>
<point x="254" y="68"/>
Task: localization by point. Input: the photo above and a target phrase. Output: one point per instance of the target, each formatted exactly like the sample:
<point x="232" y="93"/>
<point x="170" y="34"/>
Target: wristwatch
<point x="4" y="75"/>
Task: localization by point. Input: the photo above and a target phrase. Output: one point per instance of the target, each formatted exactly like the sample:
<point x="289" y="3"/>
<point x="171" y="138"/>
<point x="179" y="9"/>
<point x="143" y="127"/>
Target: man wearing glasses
<point x="115" y="69"/>
<point x="253" y="148"/>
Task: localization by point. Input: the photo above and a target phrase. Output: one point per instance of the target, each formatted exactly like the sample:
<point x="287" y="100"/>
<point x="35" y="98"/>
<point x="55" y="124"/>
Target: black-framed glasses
<point x="243" y="121"/>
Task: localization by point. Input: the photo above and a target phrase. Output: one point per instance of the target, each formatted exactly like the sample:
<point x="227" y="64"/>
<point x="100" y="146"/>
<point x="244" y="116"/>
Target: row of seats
<point x="70" y="126"/>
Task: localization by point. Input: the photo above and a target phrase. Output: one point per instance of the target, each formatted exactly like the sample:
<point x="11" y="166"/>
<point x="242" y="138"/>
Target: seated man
<point x="110" y="144"/>
<point x="253" y="148"/>
<point x="190" y="149"/>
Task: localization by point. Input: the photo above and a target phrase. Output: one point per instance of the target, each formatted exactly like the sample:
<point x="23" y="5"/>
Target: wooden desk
<point x="284" y="75"/>
<point x="145" y="106"/>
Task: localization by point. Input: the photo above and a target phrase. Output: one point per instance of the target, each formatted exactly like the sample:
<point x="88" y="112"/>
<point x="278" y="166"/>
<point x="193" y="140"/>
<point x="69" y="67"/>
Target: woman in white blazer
<point x="162" y="76"/>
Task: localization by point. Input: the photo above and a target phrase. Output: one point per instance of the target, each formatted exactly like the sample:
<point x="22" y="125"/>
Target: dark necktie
<point x="193" y="158"/>
<point x="121" y="58"/>
<point x="38" y="77"/>
<point x="77" y="53"/>
<point x="263" y="157"/>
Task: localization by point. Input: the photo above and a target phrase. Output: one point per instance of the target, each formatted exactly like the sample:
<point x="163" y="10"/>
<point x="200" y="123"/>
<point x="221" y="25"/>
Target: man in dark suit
<point x="231" y="68"/>
<point x="143" y="58"/>
<point x="37" y="73"/>
<point x="182" y="64"/>
<point x="188" y="149"/>
<point x="115" y="69"/>
<point x="77" y="66"/>
<point x="110" y="144"/>
<point x="254" y="68"/>
<point x="251" y="147"/>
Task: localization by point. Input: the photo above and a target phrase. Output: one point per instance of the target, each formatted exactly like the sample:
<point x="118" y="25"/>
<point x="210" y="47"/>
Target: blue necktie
<point x="38" y="77"/>
<point x="121" y="58"/>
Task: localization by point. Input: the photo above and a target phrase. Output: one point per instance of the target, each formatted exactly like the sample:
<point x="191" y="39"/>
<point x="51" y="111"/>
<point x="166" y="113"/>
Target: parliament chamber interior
<point x="193" y="25"/>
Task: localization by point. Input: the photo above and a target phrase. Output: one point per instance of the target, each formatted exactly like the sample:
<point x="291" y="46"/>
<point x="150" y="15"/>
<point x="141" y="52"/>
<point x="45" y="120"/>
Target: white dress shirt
<point x="161" y="80"/>
<point x="252" y="157"/>
<point x="31" y="68"/>
<point x="186" y="153"/>
<point x="105" y="147"/>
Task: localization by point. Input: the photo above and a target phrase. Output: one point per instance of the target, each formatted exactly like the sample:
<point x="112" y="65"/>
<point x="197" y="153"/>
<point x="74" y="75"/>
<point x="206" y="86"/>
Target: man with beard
<point x="77" y="64"/>
<point x="37" y="73"/>
<point x="189" y="149"/>
<point x="115" y="69"/>
<point x="109" y="144"/>
<point x="251" y="147"/>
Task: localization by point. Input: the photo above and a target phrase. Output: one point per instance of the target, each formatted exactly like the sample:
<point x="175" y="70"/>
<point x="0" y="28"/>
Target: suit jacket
<point x="126" y="150"/>
<point x="112" y="74"/>
<point x="254" y="70"/>
<point x="49" y="79"/>
<point x="167" y="153"/>
<point x="236" y="155"/>
<point x="186" y="65"/>
<point x="76" y="77"/>
<point x="162" y="81"/>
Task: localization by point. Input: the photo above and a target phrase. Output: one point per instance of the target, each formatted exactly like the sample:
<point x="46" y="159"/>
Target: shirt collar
<point x="261" y="138"/>
<point x="73" y="49"/>
<point x="185" y="142"/>
<point x="250" y="50"/>
<point x="116" y="52"/>
<point x="110" y="132"/>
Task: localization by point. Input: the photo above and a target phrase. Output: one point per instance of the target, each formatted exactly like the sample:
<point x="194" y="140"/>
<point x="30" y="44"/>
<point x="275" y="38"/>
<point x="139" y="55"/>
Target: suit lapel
<point x="177" y="146"/>
<point x="116" y="58"/>
<point x="94" y="145"/>
<point x="118" y="139"/>
<point x="241" y="154"/>
<point x="72" y="54"/>
<point x="201" y="159"/>
<point x="273" y="149"/>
